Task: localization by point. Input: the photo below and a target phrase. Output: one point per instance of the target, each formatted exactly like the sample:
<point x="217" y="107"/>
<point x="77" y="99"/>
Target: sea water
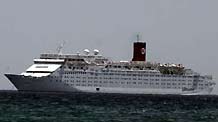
<point x="84" y="107"/>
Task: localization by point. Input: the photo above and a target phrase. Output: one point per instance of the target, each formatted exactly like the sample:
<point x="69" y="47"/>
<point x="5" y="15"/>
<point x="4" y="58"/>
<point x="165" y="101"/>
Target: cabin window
<point x="41" y="66"/>
<point x="139" y="82"/>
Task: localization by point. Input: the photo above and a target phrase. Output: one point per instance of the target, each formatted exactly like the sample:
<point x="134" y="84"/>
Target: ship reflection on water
<point x="82" y="107"/>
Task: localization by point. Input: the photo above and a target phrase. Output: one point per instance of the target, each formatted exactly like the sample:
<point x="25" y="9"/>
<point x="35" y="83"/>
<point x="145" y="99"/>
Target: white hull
<point x="43" y="84"/>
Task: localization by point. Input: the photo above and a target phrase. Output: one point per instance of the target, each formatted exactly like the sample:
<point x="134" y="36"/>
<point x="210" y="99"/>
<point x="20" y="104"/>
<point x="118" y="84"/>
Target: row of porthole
<point x="139" y="84"/>
<point x="111" y="82"/>
<point x="139" y="79"/>
<point x="129" y="78"/>
<point x="106" y="86"/>
<point x="119" y="82"/>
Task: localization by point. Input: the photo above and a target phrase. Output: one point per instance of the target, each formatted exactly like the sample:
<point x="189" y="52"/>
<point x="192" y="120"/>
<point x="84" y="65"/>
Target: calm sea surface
<point x="47" y="107"/>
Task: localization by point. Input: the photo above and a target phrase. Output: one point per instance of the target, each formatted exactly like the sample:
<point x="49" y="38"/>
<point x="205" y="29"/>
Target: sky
<point x="176" y="31"/>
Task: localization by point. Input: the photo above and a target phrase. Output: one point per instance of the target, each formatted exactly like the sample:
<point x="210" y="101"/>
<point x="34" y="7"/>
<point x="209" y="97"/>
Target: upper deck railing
<point x="68" y="56"/>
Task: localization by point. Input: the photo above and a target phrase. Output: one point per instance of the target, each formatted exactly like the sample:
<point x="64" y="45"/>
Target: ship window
<point x="145" y="83"/>
<point x="163" y="83"/>
<point x="41" y="66"/>
<point x="95" y="81"/>
<point x="139" y="82"/>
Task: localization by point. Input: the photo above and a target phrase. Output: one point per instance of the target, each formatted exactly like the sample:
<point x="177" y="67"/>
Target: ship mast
<point x="60" y="47"/>
<point x="137" y="37"/>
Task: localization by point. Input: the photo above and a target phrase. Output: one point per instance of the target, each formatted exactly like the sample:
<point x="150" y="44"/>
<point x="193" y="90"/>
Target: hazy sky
<point x="176" y="31"/>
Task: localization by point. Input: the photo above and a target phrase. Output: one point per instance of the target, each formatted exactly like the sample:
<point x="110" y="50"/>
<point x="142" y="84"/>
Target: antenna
<point x="137" y="37"/>
<point x="60" y="47"/>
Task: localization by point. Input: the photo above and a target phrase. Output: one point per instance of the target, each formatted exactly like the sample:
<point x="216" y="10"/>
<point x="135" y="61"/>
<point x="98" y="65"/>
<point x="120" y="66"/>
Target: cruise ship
<point x="93" y="73"/>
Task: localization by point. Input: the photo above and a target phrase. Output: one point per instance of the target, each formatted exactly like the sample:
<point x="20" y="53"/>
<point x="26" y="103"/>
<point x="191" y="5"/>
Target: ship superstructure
<point x="92" y="72"/>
